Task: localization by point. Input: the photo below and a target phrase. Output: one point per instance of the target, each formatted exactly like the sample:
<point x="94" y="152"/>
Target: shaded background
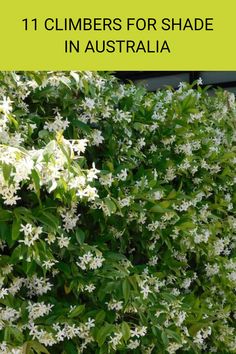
<point x="154" y="80"/>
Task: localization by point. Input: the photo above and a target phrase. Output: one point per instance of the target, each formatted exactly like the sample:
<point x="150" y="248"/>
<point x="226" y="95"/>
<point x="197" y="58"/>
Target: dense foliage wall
<point x="117" y="223"/>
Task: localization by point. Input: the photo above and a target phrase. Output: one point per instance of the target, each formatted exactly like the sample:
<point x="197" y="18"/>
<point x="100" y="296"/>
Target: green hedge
<point x="117" y="226"/>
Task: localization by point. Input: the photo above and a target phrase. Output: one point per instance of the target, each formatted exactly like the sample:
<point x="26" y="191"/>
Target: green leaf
<point x="81" y="125"/>
<point x="76" y="311"/>
<point x="26" y="349"/>
<point x="17" y="334"/>
<point x="110" y="205"/>
<point x="70" y="347"/>
<point x="48" y="219"/>
<point x="5" y="233"/>
<point x="133" y="282"/>
<point x="5" y="215"/>
<point x="43" y="134"/>
<point x="115" y="256"/>
<point x="65" y="268"/>
<point x="195" y="328"/>
<point x="168" y="297"/>
<point x="7" y="334"/>
<point x="164" y="338"/>
<point x="187" y="225"/>
<point x="13" y="332"/>
<point x="22" y="212"/>
<point x="6" y="169"/>
<point x="174" y="335"/>
<point x="36" y="180"/>
<point x="125" y="330"/>
<point x="152" y="183"/>
<point x="126" y="289"/>
<point x="165" y="204"/>
<point x="13" y="120"/>
<point x="15" y="228"/>
<point x="157" y="209"/>
<point x="103" y="350"/>
<point x="38" y="347"/>
<point x="80" y="236"/>
<point x="100" y="316"/>
<point x="18" y="253"/>
<point x="103" y="333"/>
<point x="30" y="267"/>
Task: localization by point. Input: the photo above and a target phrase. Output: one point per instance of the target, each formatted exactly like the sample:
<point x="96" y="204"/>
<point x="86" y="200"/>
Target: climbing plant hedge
<point x="117" y="216"/>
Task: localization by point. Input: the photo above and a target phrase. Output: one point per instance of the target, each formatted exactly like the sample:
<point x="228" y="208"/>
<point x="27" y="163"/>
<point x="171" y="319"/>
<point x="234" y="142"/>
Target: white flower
<point x="201" y="335"/>
<point x="5" y="105"/>
<point x="200" y="81"/>
<point x="59" y="124"/>
<point x="7" y="269"/>
<point x="9" y="196"/>
<point x="122" y="175"/>
<point x="77" y="182"/>
<point x="153" y="226"/>
<point x="51" y="238"/>
<point x="70" y="218"/>
<point x="153" y="148"/>
<point x="16" y="285"/>
<point x="9" y="314"/>
<point x="133" y="344"/>
<point x="231" y="99"/>
<point x="79" y="146"/>
<point x="90" y="323"/>
<point x="44" y="337"/>
<point x="153" y="261"/>
<point x="115" y="305"/>
<point x="182" y="85"/>
<point x="170" y="174"/>
<point x="38" y="309"/>
<point x="173" y="347"/>
<point x="90" y="288"/>
<point x="124" y="202"/>
<point x="90" y="193"/>
<point x="31" y="234"/>
<point x="106" y="180"/>
<point x="218" y="246"/>
<point x="3" y="347"/>
<point x="158" y="195"/>
<point x="138" y="331"/>
<point x="181" y="315"/>
<point x="92" y="173"/>
<point x="49" y="263"/>
<point x="16" y="351"/>
<point x="96" y="137"/>
<point x="3" y="293"/>
<point x="122" y="116"/>
<point x="212" y="269"/>
<point x="63" y="241"/>
<point x="96" y="262"/>
<point x="115" y="340"/>
<point x="89" y="103"/>
<point x="202" y="237"/>
<point x="141" y="143"/>
<point x="145" y="289"/>
<point x="37" y="286"/>
<point x="232" y="276"/>
<point x="89" y="261"/>
<point x="186" y="283"/>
